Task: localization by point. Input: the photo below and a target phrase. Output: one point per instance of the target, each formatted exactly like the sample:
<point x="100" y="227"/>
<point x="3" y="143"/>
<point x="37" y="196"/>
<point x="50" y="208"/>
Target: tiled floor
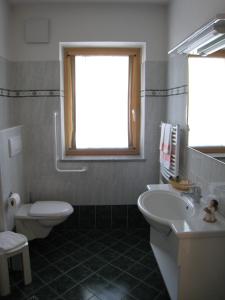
<point x="92" y="264"/>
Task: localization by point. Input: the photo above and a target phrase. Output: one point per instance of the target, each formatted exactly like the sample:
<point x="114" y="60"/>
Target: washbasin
<point x="163" y="207"/>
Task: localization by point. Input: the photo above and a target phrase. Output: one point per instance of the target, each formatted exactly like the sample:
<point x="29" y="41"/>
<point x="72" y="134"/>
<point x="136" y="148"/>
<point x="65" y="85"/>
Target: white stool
<point x="12" y="244"/>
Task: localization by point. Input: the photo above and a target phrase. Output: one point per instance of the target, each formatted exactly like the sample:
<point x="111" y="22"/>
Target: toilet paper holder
<point x="13" y="202"/>
<point x="10" y="194"/>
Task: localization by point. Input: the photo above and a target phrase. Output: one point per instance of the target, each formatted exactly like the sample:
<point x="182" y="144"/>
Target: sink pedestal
<point x="192" y="268"/>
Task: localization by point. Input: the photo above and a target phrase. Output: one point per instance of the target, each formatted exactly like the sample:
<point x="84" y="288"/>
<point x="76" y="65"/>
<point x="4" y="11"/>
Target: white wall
<point x="91" y="22"/>
<point x="36" y="67"/>
<point x="4" y="28"/>
<point x="184" y="18"/>
<point x="187" y="16"/>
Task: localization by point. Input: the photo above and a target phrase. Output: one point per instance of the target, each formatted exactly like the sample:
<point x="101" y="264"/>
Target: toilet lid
<point x="50" y="209"/>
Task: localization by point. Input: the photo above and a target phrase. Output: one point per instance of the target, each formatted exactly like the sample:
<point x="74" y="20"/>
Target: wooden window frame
<point x="210" y="149"/>
<point x="133" y="94"/>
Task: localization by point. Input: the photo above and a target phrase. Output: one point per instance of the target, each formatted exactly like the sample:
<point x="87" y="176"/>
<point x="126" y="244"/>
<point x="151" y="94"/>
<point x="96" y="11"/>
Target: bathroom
<point x="106" y="194"/>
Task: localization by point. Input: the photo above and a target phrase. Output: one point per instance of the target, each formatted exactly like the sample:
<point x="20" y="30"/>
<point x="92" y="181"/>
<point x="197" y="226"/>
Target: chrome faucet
<point x="194" y="193"/>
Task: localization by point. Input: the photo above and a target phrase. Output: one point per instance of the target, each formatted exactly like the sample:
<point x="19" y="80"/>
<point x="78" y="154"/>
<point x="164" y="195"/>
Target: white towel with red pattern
<point x="165" y="146"/>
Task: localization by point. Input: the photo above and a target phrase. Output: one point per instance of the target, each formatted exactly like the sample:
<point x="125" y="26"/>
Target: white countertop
<point x="194" y="226"/>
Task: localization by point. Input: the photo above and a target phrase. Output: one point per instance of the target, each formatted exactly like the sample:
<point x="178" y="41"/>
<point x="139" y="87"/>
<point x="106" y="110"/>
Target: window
<point x="102" y="101"/>
<point x="207" y="102"/>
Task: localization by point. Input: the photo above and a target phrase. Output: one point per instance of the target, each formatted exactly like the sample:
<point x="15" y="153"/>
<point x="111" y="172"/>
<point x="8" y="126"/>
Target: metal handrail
<point x="84" y="169"/>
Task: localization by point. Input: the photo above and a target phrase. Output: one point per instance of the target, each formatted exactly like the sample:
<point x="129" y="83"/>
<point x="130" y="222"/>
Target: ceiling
<point x="87" y="1"/>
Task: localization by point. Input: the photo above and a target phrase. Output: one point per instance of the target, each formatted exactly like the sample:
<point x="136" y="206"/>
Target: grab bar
<point x="84" y="169"/>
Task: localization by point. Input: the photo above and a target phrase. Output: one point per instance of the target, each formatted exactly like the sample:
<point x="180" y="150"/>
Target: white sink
<point x="161" y="207"/>
<point x="183" y="243"/>
<point x="165" y="208"/>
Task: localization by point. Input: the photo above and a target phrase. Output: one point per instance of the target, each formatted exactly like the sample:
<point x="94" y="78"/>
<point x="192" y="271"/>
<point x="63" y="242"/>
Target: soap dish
<point x="182" y="185"/>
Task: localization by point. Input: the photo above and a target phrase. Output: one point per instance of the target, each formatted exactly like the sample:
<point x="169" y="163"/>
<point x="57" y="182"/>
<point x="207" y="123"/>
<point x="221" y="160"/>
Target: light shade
<point x="206" y="40"/>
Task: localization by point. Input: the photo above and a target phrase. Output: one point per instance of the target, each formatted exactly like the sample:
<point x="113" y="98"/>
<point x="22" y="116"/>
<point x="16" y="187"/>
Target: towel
<point x="165" y="145"/>
<point x="163" y="125"/>
<point x="167" y="141"/>
<point x="10" y="240"/>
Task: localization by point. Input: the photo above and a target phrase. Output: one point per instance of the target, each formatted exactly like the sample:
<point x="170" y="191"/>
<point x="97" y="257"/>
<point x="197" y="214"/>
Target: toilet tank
<point x="11" y="172"/>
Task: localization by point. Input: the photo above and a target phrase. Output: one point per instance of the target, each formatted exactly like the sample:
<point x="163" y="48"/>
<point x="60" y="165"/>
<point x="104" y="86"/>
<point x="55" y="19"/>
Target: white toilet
<point x="37" y="220"/>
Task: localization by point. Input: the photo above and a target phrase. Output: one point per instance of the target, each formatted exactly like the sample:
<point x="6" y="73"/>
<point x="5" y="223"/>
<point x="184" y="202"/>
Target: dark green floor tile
<point x="78" y="293"/>
<point x="143" y="233"/>
<point x="126" y="282"/>
<point x="148" y="261"/>
<point x="144" y="292"/>
<point x="41" y="246"/>
<point x="139" y="271"/>
<point x="49" y="274"/>
<point x="45" y="293"/>
<point x="163" y="296"/>
<point x="15" y="294"/>
<point x="95" y="283"/>
<point x="108" y="255"/>
<point x="15" y="277"/>
<point x="67" y="263"/>
<point x="144" y="246"/>
<point x="155" y="279"/>
<point x="31" y="288"/>
<point x="94" y="263"/>
<point x="68" y="248"/>
<point x="55" y="255"/>
<point x="38" y="262"/>
<point x="96" y="247"/>
<point x="111" y="292"/>
<point x="82" y="254"/>
<point x="108" y="240"/>
<point x="134" y="254"/>
<point x="118" y="233"/>
<point x="62" y="284"/>
<point x="96" y="234"/>
<point x="130" y="240"/>
<point x="123" y="262"/>
<point x="85" y="241"/>
<point x="79" y="273"/>
<point x="94" y="298"/>
<point x="128" y="297"/>
<point x="120" y="247"/>
<point x="97" y="262"/>
<point x="109" y="272"/>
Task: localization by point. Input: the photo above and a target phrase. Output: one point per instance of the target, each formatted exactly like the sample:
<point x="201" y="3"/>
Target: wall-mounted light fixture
<point x="207" y="39"/>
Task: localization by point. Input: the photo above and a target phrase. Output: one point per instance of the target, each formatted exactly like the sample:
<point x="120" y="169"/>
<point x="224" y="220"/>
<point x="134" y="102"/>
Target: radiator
<point x="174" y="163"/>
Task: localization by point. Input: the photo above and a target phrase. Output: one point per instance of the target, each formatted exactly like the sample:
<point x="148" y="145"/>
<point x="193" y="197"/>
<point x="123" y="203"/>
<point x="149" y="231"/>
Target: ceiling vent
<point x="206" y="40"/>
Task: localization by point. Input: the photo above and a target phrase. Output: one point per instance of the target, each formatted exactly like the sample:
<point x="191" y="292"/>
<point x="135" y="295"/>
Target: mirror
<point x="206" y="108"/>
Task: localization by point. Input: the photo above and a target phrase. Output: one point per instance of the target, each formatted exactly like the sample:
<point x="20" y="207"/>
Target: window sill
<point x="104" y="158"/>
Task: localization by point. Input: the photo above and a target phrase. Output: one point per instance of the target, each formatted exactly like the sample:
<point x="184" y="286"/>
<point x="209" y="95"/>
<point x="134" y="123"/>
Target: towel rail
<point x="84" y="169"/>
<point x="174" y="163"/>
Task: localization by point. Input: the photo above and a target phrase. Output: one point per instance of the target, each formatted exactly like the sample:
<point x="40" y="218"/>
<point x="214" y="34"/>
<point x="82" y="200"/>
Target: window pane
<point x="206" y="101"/>
<point x="101" y="92"/>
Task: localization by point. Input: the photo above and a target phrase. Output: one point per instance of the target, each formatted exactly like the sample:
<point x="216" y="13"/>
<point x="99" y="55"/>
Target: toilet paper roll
<point x="14" y="201"/>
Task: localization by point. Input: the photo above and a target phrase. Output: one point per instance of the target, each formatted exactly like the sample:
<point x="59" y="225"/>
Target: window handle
<point x="133" y="115"/>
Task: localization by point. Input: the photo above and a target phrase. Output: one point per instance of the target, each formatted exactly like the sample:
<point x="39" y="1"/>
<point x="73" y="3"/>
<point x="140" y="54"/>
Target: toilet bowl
<point x="37" y="220"/>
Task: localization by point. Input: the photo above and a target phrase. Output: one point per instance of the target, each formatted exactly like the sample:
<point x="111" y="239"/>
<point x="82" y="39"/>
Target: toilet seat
<point x="38" y="219"/>
<point x="44" y="210"/>
<point x="50" y="209"/>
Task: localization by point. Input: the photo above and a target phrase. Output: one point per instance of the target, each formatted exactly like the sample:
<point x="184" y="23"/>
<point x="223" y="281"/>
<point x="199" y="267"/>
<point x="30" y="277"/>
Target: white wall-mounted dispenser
<point x="15" y="145"/>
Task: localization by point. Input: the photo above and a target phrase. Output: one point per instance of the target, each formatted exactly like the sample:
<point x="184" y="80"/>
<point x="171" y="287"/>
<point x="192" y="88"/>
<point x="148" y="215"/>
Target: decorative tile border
<point x="154" y="93"/>
<point x="30" y="93"/>
<point x="180" y="90"/>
